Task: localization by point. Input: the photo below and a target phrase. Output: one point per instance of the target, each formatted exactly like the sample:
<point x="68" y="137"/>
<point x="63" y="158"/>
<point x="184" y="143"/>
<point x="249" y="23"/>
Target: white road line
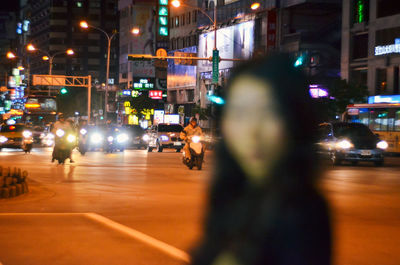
<point x="167" y="249"/>
<point x="148" y="240"/>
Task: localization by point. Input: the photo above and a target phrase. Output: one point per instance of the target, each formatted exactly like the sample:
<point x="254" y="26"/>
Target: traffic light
<point x="63" y="91"/>
<point x="299" y="61"/>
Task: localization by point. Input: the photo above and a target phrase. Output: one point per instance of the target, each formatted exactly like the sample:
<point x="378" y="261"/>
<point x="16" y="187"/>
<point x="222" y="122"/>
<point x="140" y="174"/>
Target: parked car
<point x="353" y="142"/>
<point x="137" y="136"/>
<point x="165" y="136"/>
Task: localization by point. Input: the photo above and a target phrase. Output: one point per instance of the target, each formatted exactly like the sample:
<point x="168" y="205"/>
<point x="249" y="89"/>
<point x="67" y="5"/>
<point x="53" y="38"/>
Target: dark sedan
<point x="137" y="136"/>
<point x="353" y="142"/>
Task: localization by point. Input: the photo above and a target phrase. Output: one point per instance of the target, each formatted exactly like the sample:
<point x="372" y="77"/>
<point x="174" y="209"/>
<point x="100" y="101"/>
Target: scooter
<point x="27" y="141"/>
<point x="82" y="141"/>
<point x="64" y="144"/>
<point x="115" y="140"/>
<point x="196" y="149"/>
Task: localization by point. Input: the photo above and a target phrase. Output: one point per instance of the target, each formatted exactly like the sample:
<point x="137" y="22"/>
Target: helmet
<point x="193" y="119"/>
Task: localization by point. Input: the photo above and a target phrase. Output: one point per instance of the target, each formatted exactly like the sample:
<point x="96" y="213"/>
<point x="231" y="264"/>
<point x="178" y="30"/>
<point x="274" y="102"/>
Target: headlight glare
<point x="26" y="134"/>
<point x="83" y="131"/>
<point x="96" y="138"/>
<point x="3" y="139"/>
<point x="60" y="133"/>
<point x="196" y="139"/>
<point x="122" y="138"/>
<point x="110" y="138"/>
<point x="71" y="138"/>
<point x="382" y="145"/>
<point x="164" y="138"/>
<point x="146" y="138"/>
<point x="344" y="144"/>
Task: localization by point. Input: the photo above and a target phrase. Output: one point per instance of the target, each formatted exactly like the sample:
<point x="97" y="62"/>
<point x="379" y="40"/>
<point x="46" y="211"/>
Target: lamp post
<point x="48" y="57"/>
<point x="85" y="25"/>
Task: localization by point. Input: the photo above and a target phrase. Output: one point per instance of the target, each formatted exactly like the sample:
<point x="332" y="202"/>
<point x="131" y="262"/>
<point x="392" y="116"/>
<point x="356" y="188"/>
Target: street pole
<point x="89" y="97"/>
<point x="50" y="70"/>
<point x="107" y="74"/>
<point x="215" y="25"/>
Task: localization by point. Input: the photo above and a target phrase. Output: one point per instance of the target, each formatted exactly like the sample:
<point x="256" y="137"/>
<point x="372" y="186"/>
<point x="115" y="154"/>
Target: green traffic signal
<point x="63" y="91"/>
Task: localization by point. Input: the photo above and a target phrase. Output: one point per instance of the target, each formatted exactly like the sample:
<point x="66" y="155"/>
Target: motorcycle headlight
<point x="26" y="134"/>
<point x="382" y="145"/>
<point x="71" y="138"/>
<point x="122" y="138"/>
<point x="196" y="139"/>
<point x="344" y="144"/>
<point x="146" y="138"/>
<point x="60" y="133"/>
<point x="50" y="136"/>
<point x="83" y="131"/>
<point x="164" y="138"/>
<point x="96" y="138"/>
<point x="110" y="138"/>
<point x="3" y="139"/>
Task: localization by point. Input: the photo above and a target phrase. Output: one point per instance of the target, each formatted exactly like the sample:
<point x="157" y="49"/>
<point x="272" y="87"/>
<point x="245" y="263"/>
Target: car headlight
<point x="382" y="145"/>
<point x="60" y="133"/>
<point x="26" y="134"/>
<point x="196" y="139"/>
<point x="96" y="138"/>
<point x="83" y="131"/>
<point x="164" y="138"/>
<point x="122" y="138"/>
<point x="50" y="136"/>
<point x="344" y="144"/>
<point x="71" y="138"/>
<point x="3" y="139"/>
<point x="146" y="138"/>
<point x="110" y="138"/>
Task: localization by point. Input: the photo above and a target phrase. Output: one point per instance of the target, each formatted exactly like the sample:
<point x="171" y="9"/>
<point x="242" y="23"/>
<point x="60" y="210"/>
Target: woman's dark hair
<point x="232" y="197"/>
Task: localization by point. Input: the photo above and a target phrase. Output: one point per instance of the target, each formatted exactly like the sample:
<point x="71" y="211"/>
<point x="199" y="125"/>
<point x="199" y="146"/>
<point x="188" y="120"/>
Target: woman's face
<point x="252" y="126"/>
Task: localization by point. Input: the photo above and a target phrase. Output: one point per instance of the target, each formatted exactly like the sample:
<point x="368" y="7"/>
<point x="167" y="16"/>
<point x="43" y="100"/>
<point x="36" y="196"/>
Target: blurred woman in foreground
<point x="264" y="207"/>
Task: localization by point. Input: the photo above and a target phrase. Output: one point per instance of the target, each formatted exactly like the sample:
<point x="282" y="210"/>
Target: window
<point x="379" y="120"/>
<point x="387" y="36"/>
<point x="188" y="18"/>
<point x="190" y="95"/>
<point x="171" y="22"/>
<point x="177" y="21"/>
<point x="397" y="121"/>
<point x="183" y="20"/>
<point x="381" y="82"/>
<point x="360" y="46"/>
<point x="194" y="16"/>
<point x="387" y="8"/>
<point x="172" y="96"/>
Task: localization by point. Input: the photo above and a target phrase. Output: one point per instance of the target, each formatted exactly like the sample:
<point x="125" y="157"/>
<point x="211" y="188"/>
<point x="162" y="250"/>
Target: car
<point x="138" y="137"/>
<point x="352" y="142"/>
<point x="165" y="135"/>
<point x="17" y="136"/>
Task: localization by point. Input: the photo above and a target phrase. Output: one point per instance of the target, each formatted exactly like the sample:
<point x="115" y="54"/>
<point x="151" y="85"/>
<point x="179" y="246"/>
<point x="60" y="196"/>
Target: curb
<point x="12" y="182"/>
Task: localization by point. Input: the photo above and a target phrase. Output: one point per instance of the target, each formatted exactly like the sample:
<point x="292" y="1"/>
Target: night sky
<point x="9" y="5"/>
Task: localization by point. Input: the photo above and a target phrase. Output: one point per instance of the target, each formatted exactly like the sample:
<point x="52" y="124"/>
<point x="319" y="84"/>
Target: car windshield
<point x="12" y="128"/>
<point x="351" y="130"/>
<point x="169" y="128"/>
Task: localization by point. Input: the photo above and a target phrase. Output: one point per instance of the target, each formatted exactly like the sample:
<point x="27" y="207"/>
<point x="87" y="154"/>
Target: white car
<point x="165" y="136"/>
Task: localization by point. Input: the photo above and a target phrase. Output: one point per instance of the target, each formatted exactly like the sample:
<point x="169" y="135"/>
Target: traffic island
<point x="12" y="182"/>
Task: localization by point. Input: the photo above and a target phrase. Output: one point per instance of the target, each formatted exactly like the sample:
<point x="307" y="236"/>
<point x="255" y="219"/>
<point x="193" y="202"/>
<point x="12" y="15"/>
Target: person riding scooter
<point x="61" y="124"/>
<point x="191" y="130"/>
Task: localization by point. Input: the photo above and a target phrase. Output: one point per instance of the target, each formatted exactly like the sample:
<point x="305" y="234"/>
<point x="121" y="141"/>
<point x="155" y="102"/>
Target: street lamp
<point x="255" y="6"/>
<point x="85" y="25"/>
<point x="31" y="48"/>
<point x="11" y="55"/>
<point x="135" y="31"/>
<point x="177" y="3"/>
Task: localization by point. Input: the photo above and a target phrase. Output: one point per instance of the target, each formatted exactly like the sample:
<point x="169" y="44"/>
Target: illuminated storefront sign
<point x="126" y="92"/>
<point x="384" y="99"/>
<point x="158" y="116"/>
<point x="163" y="18"/>
<point x="156" y="94"/>
<point x="171" y="119"/>
<point x="387" y="49"/>
<point x="143" y="83"/>
<point x="316" y="91"/>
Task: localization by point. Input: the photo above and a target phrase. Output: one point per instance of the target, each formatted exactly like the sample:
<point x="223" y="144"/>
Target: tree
<point x="343" y="93"/>
<point x="202" y="112"/>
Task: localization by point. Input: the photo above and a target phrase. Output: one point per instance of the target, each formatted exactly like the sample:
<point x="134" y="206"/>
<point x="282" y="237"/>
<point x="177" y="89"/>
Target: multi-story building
<point x="55" y="27"/>
<point x="371" y="44"/>
<point x="181" y="80"/>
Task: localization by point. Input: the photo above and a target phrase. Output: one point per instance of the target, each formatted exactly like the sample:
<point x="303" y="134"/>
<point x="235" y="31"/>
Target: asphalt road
<point x="140" y="208"/>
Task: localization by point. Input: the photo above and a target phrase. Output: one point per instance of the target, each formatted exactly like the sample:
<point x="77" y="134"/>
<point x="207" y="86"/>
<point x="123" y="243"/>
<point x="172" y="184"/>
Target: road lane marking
<point x="155" y="243"/>
<point x="139" y="236"/>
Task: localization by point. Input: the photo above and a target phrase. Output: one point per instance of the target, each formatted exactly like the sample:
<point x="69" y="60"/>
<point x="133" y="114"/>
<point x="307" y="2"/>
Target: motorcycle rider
<point x="64" y="125"/>
<point x="191" y="130"/>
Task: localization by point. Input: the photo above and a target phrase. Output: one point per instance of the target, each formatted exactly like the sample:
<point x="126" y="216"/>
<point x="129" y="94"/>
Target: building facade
<point x="371" y="44"/>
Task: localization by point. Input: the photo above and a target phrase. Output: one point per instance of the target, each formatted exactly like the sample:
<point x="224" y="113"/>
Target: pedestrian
<point x="264" y="206"/>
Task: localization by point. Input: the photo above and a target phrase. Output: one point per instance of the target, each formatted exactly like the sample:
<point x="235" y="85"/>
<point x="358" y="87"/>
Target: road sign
<point x="215" y="66"/>
<point x="161" y="53"/>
